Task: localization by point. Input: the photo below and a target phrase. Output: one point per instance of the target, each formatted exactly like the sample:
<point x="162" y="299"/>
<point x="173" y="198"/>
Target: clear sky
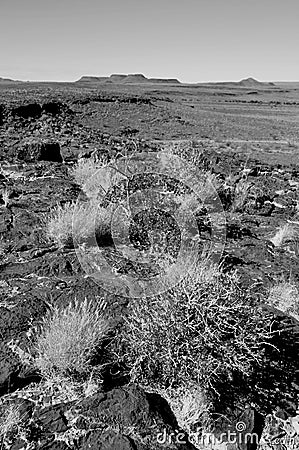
<point x="192" y="40"/>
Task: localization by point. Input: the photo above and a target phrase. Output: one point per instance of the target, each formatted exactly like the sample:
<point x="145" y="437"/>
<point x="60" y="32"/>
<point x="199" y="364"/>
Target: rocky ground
<point x="43" y="132"/>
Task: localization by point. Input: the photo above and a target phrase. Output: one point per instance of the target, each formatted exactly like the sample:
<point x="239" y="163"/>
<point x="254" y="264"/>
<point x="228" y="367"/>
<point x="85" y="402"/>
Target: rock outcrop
<point x="135" y="78"/>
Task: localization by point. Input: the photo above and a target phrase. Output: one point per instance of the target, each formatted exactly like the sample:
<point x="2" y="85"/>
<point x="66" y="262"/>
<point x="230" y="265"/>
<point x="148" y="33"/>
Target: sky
<point x="192" y="40"/>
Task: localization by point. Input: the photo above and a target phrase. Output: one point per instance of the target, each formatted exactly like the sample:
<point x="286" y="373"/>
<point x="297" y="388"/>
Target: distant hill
<point x="246" y="83"/>
<point x="251" y="82"/>
<point x="7" y="80"/>
<point x="132" y="78"/>
<point x="135" y="78"/>
<point x="92" y="79"/>
<point x="117" y="78"/>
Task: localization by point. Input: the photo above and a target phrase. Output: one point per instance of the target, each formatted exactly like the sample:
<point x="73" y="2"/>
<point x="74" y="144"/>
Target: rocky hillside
<point x="42" y="136"/>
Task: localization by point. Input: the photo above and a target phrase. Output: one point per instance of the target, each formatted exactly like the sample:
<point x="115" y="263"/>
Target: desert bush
<point x="84" y="169"/>
<point x="96" y="178"/>
<point x="69" y="338"/>
<point x="284" y="233"/>
<point x="285" y="297"/>
<point x="186" y="169"/>
<point x="201" y="332"/>
<point x="72" y="224"/>
<point x="240" y="195"/>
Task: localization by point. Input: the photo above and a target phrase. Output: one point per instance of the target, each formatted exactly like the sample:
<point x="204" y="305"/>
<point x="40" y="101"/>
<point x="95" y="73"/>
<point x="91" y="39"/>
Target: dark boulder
<point x="53" y="108"/>
<point x="9" y="366"/>
<point x="109" y="440"/>
<point x="2" y="110"/>
<point x="51" y="419"/>
<point x="38" y="151"/>
<point x="32" y="110"/>
<point x="131" y="408"/>
<point x="249" y="427"/>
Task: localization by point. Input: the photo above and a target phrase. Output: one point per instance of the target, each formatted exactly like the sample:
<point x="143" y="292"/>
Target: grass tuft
<point x="285" y="297"/>
<point x="73" y="224"/>
<point x="69" y="338"/>
<point x="96" y="178"/>
<point x="284" y="233"/>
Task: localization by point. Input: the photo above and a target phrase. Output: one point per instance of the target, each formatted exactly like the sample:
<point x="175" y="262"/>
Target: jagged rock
<point x="109" y="440"/>
<point x="253" y="423"/>
<point x="126" y="409"/>
<point x="9" y="364"/>
<point x="37" y="151"/>
<point x="51" y="420"/>
<point x="53" y="108"/>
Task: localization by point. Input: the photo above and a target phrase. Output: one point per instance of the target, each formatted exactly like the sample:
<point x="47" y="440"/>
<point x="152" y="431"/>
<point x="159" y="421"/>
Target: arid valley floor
<point x="246" y="137"/>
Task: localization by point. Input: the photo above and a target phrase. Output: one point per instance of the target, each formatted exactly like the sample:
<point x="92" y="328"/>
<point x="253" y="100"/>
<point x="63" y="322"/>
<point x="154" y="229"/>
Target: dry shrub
<point x="186" y="170"/>
<point x="83" y="170"/>
<point x="69" y="338"/>
<point x="96" y="178"/>
<point x="240" y="196"/>
<point x="285" y="297"/>
<point x="73" y="224"/>
<point x="284" y="233"/>
<point x="200" y="333"/>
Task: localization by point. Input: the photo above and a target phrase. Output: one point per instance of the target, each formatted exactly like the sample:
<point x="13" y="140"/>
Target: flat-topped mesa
<point x="91" y="79"/>
<point x="135" y="78"/>
<point x="165" y="80"/>
<point x="117" y="77"/>
<point x="131" y="78"/>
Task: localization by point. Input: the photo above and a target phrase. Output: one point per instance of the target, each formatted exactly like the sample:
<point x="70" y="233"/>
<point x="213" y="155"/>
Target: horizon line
<point x="6" y="78"/>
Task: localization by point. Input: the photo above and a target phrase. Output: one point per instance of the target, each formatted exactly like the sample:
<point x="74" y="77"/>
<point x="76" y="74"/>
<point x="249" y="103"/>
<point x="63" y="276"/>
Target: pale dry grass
<point x="68" y="338"/>
<point x="96" y="178"/>
<point x="203" y="184"/>
<point x="286" y="232"/>
<point x="72" y="224"/>
<point x="189" y="406"/>
<point x="240" y="196"/>
<point x="285" y="297"/>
